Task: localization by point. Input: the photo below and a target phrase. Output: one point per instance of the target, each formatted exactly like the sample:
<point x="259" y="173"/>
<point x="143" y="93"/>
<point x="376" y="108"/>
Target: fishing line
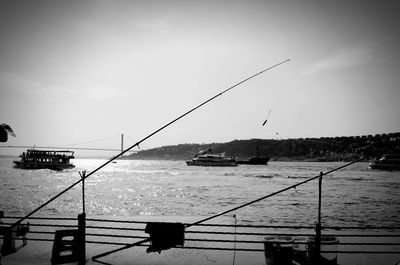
<point x="145" y="138"/>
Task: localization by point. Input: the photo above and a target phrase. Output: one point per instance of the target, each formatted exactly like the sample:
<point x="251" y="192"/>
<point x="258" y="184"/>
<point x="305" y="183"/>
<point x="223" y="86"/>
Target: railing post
<point x="82" y="225"/>
<point x="318" y="224"/>
<point x="81" y="239"/>
<point x="83" y="176"/>
<point x="8" y="246"/>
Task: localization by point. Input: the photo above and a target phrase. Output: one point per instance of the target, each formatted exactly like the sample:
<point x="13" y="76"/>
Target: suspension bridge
<point x="79" y="146"/>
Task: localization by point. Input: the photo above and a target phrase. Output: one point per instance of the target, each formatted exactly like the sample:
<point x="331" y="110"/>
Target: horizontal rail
<point x="300" y="242"/>
<point x="291" y="234"/>
<point x="368" y="227"/>
<point x="114" y="228"/>
<point x="223" y="232"/>
<point x="46" y="225"/>
<point x="223" y="249"/>
<point x="250" y="237"/>
<point x="41" y="218"/>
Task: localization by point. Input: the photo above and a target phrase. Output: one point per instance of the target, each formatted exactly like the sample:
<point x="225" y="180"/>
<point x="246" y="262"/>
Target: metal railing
<point x="372" y="239"/>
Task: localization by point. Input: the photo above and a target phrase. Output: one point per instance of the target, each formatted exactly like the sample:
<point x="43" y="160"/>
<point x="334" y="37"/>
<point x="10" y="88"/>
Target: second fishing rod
<point x="147" y="137"/>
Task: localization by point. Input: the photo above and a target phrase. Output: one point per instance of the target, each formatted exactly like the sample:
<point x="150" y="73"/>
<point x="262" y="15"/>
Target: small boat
<point x="387" y="162"/>
<point x="206" y="159"/>
<point x="40" y="159"/>
<point x="254" y="160"/>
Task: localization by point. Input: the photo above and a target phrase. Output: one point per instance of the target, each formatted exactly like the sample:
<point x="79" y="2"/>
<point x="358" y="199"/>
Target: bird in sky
<point x="4" y="131"/>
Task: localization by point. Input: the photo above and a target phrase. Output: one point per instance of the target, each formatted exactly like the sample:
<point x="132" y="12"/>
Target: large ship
<point x="254" y="160"/>
<point x="40" y="159"/>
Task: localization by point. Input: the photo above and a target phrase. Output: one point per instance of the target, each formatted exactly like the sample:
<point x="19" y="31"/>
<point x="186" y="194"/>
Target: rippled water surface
<point x="352" y="196"/>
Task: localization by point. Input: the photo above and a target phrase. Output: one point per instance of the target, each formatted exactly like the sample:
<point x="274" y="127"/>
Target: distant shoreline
<point x="329" y="149"/>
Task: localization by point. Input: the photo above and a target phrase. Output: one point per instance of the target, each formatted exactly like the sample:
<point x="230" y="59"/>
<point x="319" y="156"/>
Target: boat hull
<point x="254" y="161"/>
<point x="384" y="166"/>
<point x="24" y="165"/>
<point x="211" y="163"/>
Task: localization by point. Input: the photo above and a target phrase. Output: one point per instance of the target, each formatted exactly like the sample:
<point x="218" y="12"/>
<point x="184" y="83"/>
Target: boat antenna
<point x="144" y="139"/>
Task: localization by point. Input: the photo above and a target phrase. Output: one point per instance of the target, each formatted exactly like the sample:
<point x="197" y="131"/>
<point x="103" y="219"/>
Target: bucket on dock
<point x="278" y="250"/>
<point x="329" y="247"/>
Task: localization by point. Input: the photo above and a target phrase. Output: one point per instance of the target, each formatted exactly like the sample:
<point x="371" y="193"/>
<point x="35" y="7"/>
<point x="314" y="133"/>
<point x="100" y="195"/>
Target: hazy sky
<point x="77" y="71"/>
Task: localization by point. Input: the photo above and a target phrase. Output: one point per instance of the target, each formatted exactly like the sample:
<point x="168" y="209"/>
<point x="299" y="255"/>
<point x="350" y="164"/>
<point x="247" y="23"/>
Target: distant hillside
<point x="312" y="149"/>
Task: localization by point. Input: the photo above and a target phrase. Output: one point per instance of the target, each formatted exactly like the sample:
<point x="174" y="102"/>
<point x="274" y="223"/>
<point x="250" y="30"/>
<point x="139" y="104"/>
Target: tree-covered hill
<point x="313" y="149"/>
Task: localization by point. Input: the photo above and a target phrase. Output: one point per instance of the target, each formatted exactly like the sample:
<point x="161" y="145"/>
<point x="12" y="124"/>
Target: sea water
<point x="157" y="190"/>
<point x="354" y="196"/>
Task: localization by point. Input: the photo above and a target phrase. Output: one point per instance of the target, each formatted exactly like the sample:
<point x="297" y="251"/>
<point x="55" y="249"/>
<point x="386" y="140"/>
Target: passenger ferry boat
<point x="39" y="159"/>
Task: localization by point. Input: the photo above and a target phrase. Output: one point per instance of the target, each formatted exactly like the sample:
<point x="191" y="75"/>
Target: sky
<point x="80" y="73"/>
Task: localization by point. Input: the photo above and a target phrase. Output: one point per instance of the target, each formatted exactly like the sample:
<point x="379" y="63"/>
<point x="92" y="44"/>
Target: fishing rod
<point x="145" y="138"/>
